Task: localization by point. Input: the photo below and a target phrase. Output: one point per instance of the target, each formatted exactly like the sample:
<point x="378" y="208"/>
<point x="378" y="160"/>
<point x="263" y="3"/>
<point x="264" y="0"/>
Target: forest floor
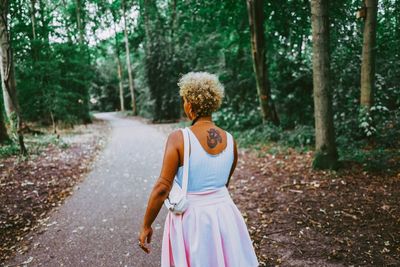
<point x="300" y="217"/>
<point x="31" y="187"/>
<point x="296" y="216"/>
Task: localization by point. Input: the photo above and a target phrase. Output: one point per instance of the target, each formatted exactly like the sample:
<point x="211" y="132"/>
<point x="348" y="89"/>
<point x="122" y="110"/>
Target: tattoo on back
<point x="213" y="138"/>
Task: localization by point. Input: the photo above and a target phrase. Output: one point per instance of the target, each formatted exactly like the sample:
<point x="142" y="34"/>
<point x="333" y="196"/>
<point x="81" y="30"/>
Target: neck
<point x="204" y="118"/>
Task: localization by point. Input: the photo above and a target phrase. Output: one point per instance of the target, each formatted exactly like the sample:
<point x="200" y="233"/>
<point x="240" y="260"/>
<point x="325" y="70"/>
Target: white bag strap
<point x="185" y="159"/>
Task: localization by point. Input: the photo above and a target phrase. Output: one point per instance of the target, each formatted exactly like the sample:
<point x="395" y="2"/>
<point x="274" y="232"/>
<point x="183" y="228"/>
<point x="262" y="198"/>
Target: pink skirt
<point x="211" y="233"/>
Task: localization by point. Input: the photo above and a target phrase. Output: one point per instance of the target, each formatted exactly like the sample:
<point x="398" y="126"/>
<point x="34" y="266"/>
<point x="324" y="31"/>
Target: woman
<point x="212" y="231"/>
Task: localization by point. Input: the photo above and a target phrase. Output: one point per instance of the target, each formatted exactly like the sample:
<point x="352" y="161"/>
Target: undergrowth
<point x="35" y="144"/>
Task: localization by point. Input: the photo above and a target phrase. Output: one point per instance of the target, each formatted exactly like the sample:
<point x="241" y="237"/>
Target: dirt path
<point x="98" y="225"/>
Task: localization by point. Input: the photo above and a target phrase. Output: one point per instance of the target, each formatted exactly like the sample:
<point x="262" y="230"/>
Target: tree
<point x="79" y="22"/>
<point x="8" y="83"/>
<point x="326" y="153"/>
<point x="119" y="69"/>
<point x="84" y="51"/>
<point x="3" y="129"/>
<point x="153" y="55"/>
<point x="256" y="20"/>
<point x="368" y="54"/>
<point x="34" y="35"/>
<point x="128" y="59"/>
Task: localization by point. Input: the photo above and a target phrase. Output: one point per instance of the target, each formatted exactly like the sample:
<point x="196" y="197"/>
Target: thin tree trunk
<point x="326" y="153"/>
<point x="151" y="27"/>
<point x="33" y="20"/>
<point x="119" y="71"/>
<point x="121" y="88"/>
<point x="34" y="44"/>
<point x="3" y="130"/>
<point x="8" y="79"/>
<point x="368" y="54"/>
<point x="256" y="20"/>
<point x="79" y="21"/>
<point x="128" y="60"/>
<point x="81" y="29"/>
<point x="172" y="26"/>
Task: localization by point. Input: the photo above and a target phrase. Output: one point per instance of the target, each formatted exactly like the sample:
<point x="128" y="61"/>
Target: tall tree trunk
<point x="121" y="88"/>
<point x="33" y="20"/>
<point x="34" y="43"/>
<point x="3" y="130"/>
<point x="326" y="153"/>
<point x="84" y="105"/>
<point x="368" y="54"/>
<point x="149" y="11"/>
<point x="8" y="79"/>
<point x="119" y="70"/>
<point x="79" y="21"/>
<point x="128" y="59"/>
<point x="172" y="26"/>
<point x="256" y="20"/>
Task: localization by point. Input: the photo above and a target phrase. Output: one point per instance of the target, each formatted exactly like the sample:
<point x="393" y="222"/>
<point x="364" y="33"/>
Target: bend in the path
<point x="99" y="223"/>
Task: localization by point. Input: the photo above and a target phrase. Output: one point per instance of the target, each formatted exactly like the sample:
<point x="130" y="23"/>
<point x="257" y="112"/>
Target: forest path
<point x="98" y="224"/>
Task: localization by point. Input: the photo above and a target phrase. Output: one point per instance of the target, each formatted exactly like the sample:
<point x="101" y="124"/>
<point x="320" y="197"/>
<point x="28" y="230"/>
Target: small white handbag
<point x="176" y="201"/>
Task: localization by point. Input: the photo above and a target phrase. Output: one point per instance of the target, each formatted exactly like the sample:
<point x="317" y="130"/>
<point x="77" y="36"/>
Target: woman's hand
<point x="145" y="234"/>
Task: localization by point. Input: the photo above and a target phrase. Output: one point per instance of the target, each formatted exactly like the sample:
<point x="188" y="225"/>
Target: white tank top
<point x="207" y="171"/>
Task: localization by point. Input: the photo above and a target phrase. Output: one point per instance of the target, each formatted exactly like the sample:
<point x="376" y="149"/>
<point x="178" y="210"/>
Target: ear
<point x="191" y="111"/>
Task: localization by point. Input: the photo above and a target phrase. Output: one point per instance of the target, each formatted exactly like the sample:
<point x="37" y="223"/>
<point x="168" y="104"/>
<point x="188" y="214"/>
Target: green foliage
<point x="373" y="160"/>
<point x="35" y="144"/>
<point x="53" y="77"/>
<point x="302" y="136"/>
<point x="59" y="78"/>
<point x="246" y="117"/>
<point x="145" y="103"/>
<point x="379" y="152"/>
<point x="105" y="89"/>
<point x="261" y="134"/>
<point x="9" y="149"/>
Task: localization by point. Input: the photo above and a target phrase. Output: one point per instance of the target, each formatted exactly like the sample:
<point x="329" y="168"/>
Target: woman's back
<point x="211" y="158"/>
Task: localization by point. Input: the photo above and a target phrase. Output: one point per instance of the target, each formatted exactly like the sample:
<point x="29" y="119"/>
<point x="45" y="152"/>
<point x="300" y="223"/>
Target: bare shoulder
<point x="175" y="138"/>
<point x="227" y="133"/>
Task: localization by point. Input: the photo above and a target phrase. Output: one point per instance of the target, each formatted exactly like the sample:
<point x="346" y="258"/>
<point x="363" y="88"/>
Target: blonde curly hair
<point x="203" y="91"/>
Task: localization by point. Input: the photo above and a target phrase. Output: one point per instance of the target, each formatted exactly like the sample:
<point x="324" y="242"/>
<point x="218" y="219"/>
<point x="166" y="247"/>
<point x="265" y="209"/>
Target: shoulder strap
<point x="229" y="141"/>
<point x="185" y="159"/>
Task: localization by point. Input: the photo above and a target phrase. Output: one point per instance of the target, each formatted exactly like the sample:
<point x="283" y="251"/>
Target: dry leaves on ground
<point x="300" y="217"/>
<point x="31" y="188"/>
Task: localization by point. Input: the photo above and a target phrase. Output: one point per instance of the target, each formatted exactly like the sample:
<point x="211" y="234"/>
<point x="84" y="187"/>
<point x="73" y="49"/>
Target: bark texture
<point x="326" y="152"/>
<point x="33" y="19"/>
<point x="368" y="54"/>
<point x="256" y="20"/>
<point x="8" y="79"/>
<point x="34" y="44"/>
<point x="119" y="71"/>
<point x="3" y="130"/>
<point x="128" y="60"/>
<point x="79" y="22"/>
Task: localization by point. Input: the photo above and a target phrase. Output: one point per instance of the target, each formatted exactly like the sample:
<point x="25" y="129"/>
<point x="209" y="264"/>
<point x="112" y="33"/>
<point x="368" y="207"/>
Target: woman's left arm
<point x="161" y="188"/>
